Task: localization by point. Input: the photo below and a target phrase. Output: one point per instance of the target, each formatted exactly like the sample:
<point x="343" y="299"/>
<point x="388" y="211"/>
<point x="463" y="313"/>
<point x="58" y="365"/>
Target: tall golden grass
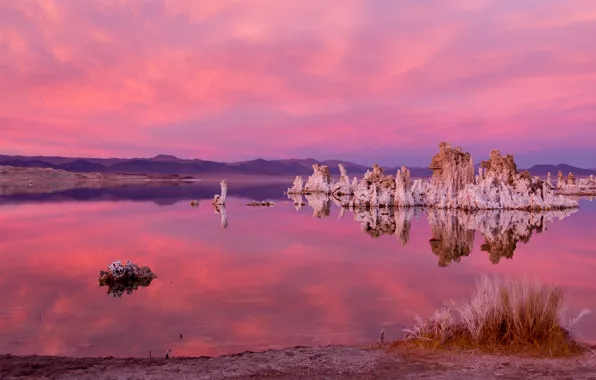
<point x="514" y="315"/>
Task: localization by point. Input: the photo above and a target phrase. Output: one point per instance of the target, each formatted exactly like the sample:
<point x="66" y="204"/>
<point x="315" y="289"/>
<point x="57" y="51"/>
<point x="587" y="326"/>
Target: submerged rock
<point x="260" y="204"/>
<point x="125" y="278"/>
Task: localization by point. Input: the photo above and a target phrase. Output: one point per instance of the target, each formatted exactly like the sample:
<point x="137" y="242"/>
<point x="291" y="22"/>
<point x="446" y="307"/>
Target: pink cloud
<point x="225" y="80"/>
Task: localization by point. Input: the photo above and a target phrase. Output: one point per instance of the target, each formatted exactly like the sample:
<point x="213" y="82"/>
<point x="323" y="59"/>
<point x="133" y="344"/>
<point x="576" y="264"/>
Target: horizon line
<point x="255" y="159"/>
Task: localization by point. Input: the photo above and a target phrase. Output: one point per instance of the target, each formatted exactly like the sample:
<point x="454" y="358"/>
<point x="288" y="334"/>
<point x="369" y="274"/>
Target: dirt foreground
<point x="332" y="362"/>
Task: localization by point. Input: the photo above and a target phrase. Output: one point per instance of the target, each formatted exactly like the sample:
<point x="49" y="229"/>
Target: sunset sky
<point x="367" y="81"/>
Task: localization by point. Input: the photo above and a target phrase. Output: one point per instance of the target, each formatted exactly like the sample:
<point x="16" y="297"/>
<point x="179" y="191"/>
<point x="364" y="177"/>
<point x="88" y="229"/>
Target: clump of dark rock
<point x="125" y="278"/>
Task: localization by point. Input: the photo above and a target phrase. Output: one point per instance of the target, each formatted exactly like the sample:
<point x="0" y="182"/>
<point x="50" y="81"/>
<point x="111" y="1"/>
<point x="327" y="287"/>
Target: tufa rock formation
<point x="501" y="186"/>
<point x="297" y="186"/>
<point x="560" y="181"/>
<point x="320" y="181"/>
<point x="375" y="189"/>
<point x="220" y="199"/>
<point x="343" y="186"/>
<point x="570" y="179"/>
<point x="125" y="278"/>
<point x="500" y="168"/>
<point x="453" y="185"/>
<point x="576" y="186"/>
<point x="452" y="169"/>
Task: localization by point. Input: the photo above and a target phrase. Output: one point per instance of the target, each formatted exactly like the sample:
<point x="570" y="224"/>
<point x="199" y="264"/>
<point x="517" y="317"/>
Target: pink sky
<point x="368" y="81"/>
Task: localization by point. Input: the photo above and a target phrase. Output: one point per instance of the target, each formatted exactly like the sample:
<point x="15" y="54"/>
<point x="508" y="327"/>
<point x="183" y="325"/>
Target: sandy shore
<point x="332" y="362"/>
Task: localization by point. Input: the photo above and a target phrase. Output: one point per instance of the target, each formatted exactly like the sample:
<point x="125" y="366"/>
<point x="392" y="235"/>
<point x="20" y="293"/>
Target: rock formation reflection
<point x="453" y="231"/>
<point x="451" y="236"/>
<point x="221" y="209"/>
<point x="403" y="223"/>
<point x="502" y="230"/>
<point x="376" y="222"/>
<point x="297" y="200"/>
<point x="320" y="203"/>
<point x="386" y="221"/>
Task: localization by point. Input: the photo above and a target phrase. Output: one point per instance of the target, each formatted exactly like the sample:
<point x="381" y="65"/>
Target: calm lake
<point x="274" y="277"/>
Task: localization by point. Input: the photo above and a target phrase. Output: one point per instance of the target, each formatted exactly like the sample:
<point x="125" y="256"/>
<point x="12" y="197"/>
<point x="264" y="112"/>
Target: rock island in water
<point x="453" y="185"/>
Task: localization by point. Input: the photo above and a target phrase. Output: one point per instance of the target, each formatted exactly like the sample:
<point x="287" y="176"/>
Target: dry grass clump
<point x="513" y="315"/>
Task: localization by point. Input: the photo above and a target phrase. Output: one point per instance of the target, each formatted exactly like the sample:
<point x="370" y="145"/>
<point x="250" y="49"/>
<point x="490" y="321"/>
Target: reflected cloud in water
<point x="275" y="277"/>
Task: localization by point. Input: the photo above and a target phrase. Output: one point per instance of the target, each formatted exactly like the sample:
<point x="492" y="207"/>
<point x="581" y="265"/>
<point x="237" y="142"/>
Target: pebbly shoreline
<point x="330" y="362"/>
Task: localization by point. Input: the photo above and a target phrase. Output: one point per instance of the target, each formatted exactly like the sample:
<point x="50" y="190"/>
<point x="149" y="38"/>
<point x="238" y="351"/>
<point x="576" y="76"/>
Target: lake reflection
<point x="272" y="277"/>
<point x="453" y="231"/>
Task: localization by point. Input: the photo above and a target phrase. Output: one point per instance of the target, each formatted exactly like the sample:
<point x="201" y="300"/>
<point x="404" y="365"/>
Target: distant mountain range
<point x="168" y="164"/>
<point x="543" y="170"/>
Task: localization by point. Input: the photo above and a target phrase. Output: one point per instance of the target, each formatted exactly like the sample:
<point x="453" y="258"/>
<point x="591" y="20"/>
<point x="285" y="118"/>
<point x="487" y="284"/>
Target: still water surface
<point x="274" y="277"/>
